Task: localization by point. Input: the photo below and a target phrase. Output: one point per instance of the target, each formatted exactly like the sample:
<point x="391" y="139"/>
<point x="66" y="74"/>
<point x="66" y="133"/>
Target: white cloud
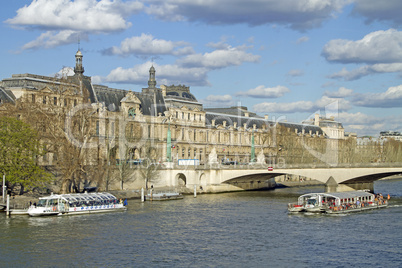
<point x="367" y="70"/>
<point x="190" y="70"/>
<point x="166" y="74"/>
<point x="64" y="72"/>
<point x="375" y="10"/>
<point x="83" y="15"/>
<point x="382" y="50"/>
<point x="302" y="39"/>
<point x="297" y="14"/>
<point x="52" y="39"/>
<point x="265" y="92"/>
<point x="357" y="118"/>
<point x="146" y="44"/>
<point x="342" y="92"/>
<point x="218" y="101"/>
<point x="219" y="58"/>
<point x="376" y="47"/>
<point x="292" y="107"/>
<point x="388" y="99"/>
<point x="324" y="103"/>
<point x="368" y="124"/>
<point x="339" y="104"/>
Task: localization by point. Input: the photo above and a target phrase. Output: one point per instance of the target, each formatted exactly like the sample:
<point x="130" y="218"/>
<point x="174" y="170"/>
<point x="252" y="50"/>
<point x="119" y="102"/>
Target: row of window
<point x="189" y="117"/>
<point x="52" y="100"/>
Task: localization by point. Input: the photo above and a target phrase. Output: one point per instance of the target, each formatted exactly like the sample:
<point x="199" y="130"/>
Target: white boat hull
<point x="73" y="204"/>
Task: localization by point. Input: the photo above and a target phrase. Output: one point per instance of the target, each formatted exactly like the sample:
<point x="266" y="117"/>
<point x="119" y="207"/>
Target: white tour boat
<point x="338" y="202"/>
<point x="81" y="203"/>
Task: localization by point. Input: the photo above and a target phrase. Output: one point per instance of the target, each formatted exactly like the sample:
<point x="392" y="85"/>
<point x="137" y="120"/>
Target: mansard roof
<point x="240" y="120"/>
<point x="236" y="114"/>
<point x="234" y="110"/>
<point x="87" y="83"/>
<point x="180" y="92"/>
<point x="39" y="82"/>
<point x="112" y="97"/>
<point x="307" y="128"/>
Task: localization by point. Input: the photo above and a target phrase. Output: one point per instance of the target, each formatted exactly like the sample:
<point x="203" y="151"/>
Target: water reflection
<point x="232" y="229"/>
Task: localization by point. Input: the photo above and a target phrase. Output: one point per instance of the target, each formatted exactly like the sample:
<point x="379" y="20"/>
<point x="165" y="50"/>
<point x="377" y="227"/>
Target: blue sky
<point x="289" y="59"/>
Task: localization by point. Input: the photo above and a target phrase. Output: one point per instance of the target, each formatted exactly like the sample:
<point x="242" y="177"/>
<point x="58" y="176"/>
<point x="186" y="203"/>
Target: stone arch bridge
<point x="220" y="178"/>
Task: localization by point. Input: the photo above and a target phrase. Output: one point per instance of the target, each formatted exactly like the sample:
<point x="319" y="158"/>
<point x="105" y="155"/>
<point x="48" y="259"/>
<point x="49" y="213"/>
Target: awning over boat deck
<point x="88" y="197"/>
<point x="82" y="197"/>
<point x="340" y="195"/>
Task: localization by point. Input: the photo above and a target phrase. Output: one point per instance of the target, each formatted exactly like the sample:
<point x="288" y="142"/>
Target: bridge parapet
<point x="256" y="166"/>
<point x="228" y="178"/>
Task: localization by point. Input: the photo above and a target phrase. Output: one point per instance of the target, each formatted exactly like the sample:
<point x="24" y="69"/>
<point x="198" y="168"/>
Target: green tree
<point x="20" y="148"/>
<point x="149" y="168"/>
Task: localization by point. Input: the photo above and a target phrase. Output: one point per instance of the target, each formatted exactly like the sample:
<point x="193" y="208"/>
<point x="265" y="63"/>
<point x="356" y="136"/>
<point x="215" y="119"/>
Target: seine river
<point x="246" y="229"/>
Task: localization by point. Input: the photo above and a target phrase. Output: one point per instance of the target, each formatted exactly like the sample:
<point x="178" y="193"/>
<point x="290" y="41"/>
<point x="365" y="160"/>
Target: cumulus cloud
<point x="218" y="101"/>
<point x="357" y="118"/>
<point x="64" y="19"/>
<point x="292" y="107"/>
<point x="220" y="58"/>
<point x="191" y="69"/>
<point x="166" y="74"/>
<point x="52" y="39"/>
<point x="367" y="124"/>
<point x="302" y="39"/>
<point x="375" y="10"/>
<point x="376" y="47"/>
<point x="296" y="14"/>
<point x="388" y="99"/>
<point x="325" y="103"/>
<point x="265" y="92"/>
<point x="146" y="44"/>
<point x="381" y="50"/>
<point x="64" y="72"/>
<point x="83" y="15"/>
<point x="342" y="92"/>
<point x="366" y="70"/>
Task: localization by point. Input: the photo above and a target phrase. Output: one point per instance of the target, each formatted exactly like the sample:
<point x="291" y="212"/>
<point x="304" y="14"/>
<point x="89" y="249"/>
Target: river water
<point x="245" y="229"/>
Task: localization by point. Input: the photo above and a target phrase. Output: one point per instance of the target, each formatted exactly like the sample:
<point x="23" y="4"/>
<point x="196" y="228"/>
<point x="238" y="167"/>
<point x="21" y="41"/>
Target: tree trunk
<point x="21" y="190"/>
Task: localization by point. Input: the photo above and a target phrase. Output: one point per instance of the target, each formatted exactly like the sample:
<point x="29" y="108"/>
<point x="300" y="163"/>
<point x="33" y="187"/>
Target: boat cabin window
<point x="41" y="203"/>
<point x="311" y="201"/>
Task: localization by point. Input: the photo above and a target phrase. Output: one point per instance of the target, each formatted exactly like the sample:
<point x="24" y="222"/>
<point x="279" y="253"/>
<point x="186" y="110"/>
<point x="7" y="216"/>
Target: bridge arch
<point x="202" y="179"/>
<point x="181" y="179"/>
<point x="370" y="177"/>
<point x="254" y="181"/>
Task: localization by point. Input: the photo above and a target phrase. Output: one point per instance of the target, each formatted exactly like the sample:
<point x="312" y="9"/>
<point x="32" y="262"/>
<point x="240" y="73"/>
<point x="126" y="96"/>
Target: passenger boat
<point x="163" y="196"/>
<point x="81" y="203"/>
<point x="339" y="202"/>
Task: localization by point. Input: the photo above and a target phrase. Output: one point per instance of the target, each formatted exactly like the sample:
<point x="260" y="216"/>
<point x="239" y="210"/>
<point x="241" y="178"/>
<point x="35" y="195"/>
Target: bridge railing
<point x="272" y="167"/>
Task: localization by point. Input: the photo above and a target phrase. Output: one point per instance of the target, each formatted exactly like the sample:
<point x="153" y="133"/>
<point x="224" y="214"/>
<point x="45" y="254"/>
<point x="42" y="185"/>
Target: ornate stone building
<point x="123" y="124"/>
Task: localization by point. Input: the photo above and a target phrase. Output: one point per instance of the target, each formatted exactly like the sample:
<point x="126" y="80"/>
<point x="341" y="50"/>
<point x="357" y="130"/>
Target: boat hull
<point x="164" y="196"/>
<point x="350" y="210"/>
<point x="79" y="211"/>
<point x="338" y="202"/>
<point x="79" y="203"/>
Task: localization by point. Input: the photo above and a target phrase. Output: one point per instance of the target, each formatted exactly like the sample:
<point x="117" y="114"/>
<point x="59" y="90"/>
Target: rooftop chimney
<point x="317" y="120"/>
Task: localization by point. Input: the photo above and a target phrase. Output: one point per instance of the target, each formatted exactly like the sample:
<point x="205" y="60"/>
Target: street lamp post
<point x="169" y="145"/>
<point x="252" y="148"/>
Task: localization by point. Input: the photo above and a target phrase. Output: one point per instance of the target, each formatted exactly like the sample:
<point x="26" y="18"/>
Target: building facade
<point x="119" y="125"/>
